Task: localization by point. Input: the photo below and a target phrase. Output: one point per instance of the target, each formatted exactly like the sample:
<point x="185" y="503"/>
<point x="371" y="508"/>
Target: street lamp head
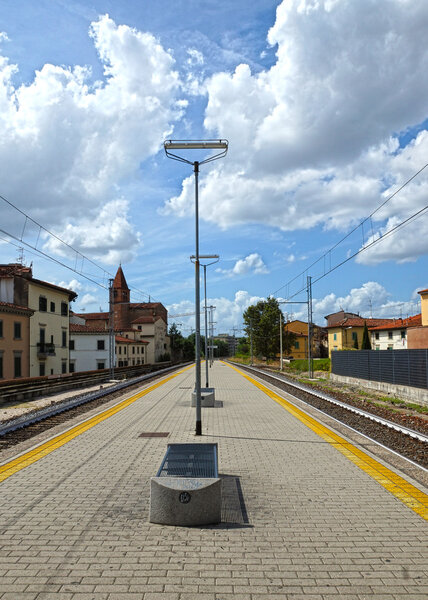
<point x="195" y="144"/>
<point x="205" y="256"/>
<point x="171" y="146"/>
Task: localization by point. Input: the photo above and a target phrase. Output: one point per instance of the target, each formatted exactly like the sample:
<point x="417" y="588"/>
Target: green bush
<point x="301" y="364"/>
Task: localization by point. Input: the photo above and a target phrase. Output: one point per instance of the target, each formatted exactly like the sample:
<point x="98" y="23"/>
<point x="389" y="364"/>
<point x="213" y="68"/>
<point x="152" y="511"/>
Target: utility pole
<point x="251" y="341"/>
<point x="280" y="340"/>
<point x="310" y="364"/>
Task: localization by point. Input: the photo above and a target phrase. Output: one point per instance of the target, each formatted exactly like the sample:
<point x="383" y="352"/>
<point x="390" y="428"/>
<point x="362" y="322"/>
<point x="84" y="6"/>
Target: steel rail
<point x="56" y="409"/>
<point x="400" y="428"/>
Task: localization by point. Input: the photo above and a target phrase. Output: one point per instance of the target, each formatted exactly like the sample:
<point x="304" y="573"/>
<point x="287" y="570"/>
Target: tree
<point x="366" y="345"/>
<point x="222" y="348"/>
<point x="262" y="322"/>
<point x="288" y="340"/>
<point x="356" y="342"/>
<point x="243" y="346"/>
<point x="177" y="342"/>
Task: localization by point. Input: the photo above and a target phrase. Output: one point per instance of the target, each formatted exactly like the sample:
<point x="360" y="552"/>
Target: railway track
<point x="33" y="423"/>
<point x="408" y="438"/>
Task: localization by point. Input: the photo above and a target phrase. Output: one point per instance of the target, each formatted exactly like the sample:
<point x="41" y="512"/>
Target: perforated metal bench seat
<point x="189" y="460"/>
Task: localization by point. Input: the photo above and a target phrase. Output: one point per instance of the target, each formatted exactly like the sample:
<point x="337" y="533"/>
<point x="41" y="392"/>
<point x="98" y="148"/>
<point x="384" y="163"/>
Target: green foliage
<point x="288" y="340"/>
<point x="243" y="347"/>
<point x="319" y="364"/>
<point x="366" y="345"/>
<point x="164" y="357"/>
<point x="262" y="322"/>
<point x="222" y="348"/>
<point x="356" y="343"/>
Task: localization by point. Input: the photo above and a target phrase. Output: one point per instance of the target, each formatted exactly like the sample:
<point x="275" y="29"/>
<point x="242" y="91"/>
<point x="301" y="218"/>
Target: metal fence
<point x="401" y="367"/>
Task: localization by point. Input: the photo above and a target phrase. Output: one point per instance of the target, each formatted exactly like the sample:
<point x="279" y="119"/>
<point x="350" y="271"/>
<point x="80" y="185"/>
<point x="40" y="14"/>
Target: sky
<point x="324" y="104"/>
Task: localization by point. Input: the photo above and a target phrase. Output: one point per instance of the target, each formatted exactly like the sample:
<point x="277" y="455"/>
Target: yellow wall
<point x="53" y="323"/>
<point x="424" y="309"/>
<point x="344" y="340"/>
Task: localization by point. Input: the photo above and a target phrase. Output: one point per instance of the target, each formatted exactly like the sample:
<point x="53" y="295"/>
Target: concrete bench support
<point x="185" y="501"/>
<point x="187" y="490"/>
<point x="207" y="398"/>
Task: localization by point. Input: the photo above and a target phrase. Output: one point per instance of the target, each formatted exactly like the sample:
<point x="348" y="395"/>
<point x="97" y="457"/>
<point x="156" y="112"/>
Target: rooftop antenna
<point x="21" y="257"/>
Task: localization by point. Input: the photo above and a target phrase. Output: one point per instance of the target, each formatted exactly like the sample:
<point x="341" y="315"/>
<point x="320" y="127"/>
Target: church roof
<point x="120" y="281"/>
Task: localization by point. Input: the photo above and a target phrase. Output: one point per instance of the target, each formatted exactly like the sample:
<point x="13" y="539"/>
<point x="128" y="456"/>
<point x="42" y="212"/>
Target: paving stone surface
<point x="299" y="520"/>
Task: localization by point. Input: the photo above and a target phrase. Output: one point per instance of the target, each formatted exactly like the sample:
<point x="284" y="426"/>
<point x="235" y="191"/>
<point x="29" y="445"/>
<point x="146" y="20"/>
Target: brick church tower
<point x="121" y="297"/>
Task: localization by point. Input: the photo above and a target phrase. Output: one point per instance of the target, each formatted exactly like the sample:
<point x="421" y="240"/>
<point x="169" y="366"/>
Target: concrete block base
<point x="207" y="397"/>
<point x="185" y="501"/>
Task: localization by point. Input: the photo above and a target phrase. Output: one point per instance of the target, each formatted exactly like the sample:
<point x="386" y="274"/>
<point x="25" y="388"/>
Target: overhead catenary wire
<point x="106" y="275"/>
<point x="416" y="215"/>
<point x="327" y="254"/>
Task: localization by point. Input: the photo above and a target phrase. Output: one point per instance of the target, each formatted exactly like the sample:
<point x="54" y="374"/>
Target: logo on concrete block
<point x="184" y="497"/>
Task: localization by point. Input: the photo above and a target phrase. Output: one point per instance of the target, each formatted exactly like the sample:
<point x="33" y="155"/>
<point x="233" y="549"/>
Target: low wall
<point x="407" y="393"/>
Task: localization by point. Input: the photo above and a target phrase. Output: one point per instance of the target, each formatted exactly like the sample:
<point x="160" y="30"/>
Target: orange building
<point x="14" y="340"/>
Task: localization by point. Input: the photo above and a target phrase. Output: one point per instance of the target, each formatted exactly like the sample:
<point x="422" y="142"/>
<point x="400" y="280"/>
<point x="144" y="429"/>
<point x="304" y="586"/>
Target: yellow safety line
<point x="399" y="487"/>
<point x="15" y="465"/>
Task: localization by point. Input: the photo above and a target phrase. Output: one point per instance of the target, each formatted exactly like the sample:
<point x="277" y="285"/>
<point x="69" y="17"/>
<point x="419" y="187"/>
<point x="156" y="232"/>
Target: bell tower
<point x="121" y="297"/>
<point x="120" y="288"/>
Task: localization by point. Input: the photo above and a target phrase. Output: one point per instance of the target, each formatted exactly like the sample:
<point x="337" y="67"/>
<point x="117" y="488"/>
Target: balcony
<point x="44" y="350"/>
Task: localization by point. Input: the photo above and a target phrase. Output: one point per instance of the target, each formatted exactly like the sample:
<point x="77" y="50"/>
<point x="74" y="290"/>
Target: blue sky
<point x="324" y="104"/>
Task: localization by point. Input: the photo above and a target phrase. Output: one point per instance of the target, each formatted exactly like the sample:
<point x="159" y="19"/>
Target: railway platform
<point x="309" y="510"/>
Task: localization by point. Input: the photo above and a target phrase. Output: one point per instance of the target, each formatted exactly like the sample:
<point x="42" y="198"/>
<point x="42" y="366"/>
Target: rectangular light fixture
<point x="206" y="256"/>
<point x="195" y="145"/>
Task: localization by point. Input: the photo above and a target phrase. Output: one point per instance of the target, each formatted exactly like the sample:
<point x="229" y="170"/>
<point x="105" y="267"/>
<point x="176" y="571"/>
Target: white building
<point x="89" y="348"/>
<point x="393" y="335"/>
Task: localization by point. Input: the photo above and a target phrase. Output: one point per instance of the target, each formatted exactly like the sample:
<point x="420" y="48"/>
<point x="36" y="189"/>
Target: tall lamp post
<point x="221" y="146"/>
<point x="206" y="257"/>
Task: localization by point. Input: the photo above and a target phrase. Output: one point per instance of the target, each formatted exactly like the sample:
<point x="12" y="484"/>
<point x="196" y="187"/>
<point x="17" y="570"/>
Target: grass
<point x="301" y="364"/>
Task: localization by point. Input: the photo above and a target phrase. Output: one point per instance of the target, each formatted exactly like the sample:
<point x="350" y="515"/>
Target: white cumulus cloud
<point x="253" y="263"/>
<point x="314" y="139"/>
<point x="69" y="141"/>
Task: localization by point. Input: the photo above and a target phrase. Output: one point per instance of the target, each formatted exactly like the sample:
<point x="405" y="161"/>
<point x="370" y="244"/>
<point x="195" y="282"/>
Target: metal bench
<point x="187" y="488"/>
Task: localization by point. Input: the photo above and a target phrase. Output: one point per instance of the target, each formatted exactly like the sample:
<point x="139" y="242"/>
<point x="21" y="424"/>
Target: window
<point x="101" y="345"/>
<point x="377" y="335"/>
<point x="390" y="346"/>
<point x="63" y="367"/>
<point x="133" y="349"/>
<point x="403" y="334"/>
<point x="41" y="369"/>
<point x="1" y="365"/>
<point x="43" y="304"/>
<point x="390" y="335"/>
<point x="139" y="328"/>
<point x="1" y="329"/>
<point x="64" y="309"/>
<point x="71" y="367"/>
<point x="100" y="365"/>
<point x="354" y="336"/>
<point x="120" y="349"/>
<point x="377" y="347"/>
<point x="17" y="331"/>
<point x="52" y="306"/>
<point x="297" y="344"/>
<point x="334" y="336"/>
<point x="64" y="339"/>
<point x="42" y="335"/>
<point x="17" y="365"/>
<point x="71" y="342"/>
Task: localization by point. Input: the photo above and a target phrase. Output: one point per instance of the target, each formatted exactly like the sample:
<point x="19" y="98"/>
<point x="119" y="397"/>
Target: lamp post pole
<point x="170" y="147"/>
<point x="202" y="257"/>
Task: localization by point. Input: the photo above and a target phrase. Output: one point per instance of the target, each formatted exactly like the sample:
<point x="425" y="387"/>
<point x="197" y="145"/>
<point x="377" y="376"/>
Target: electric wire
<point x="83" y="257"/>
<point x="361" y="224"/>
